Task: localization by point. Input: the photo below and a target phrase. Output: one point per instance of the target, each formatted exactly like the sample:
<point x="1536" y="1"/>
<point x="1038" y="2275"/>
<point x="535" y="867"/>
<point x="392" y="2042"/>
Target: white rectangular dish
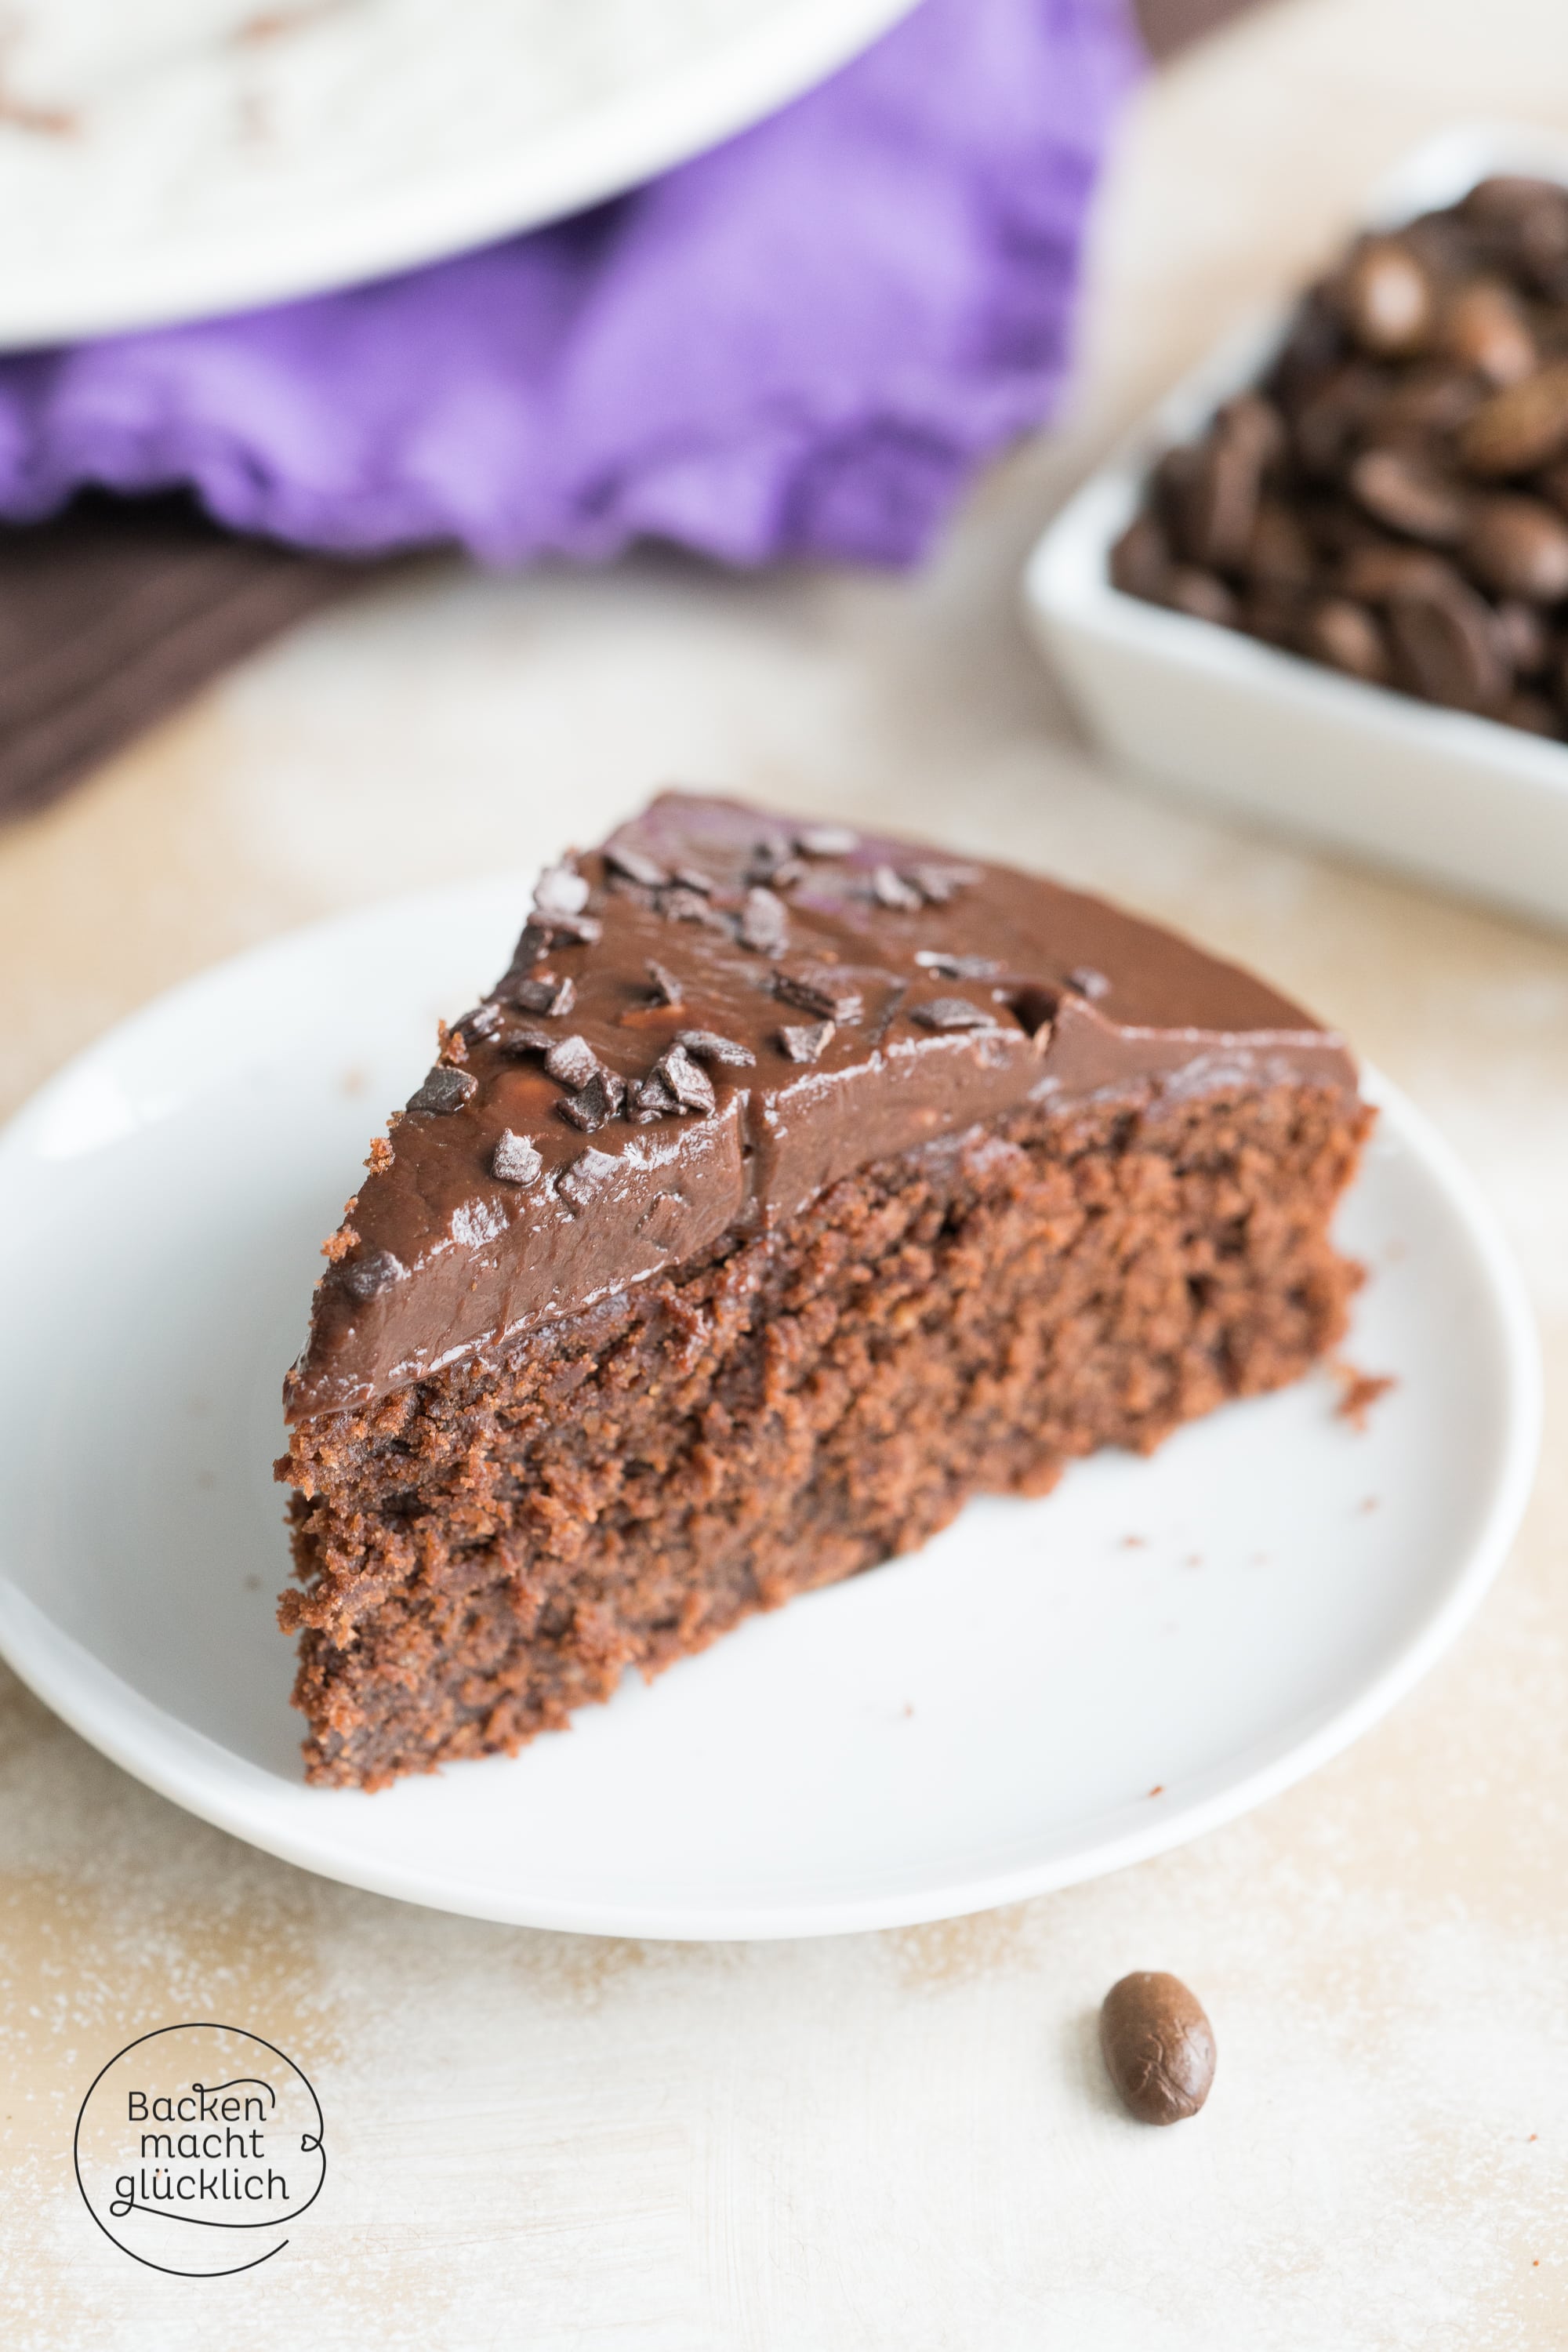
<point x="1460" y="800"/>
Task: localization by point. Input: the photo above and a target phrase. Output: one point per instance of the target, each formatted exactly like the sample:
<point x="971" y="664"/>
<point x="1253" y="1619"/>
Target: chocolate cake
<point x="790" y="1188"/>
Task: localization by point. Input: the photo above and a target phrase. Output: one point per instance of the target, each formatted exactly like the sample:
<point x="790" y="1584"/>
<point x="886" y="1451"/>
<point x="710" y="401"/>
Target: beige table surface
<point x="893" y="2140"/>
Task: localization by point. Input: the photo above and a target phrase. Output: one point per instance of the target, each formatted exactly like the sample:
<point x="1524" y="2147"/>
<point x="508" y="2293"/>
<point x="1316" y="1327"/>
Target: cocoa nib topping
<point x="957" y="967"/>
<point x="822" y="993"/>
<point x="586" y="1176"/>
<point x="825" y="841"/>
<point x="369" y="1277"/>
<point x="890" y="890"/>
<point x="561" y="890"/>
<point x="445" y="1089"/>
<point x="1088" y="982"/>
<point x="546" y="995"/>
<point x="623" y="859"/>
<point x="686" y="1080"/>
<point x="595" y="1103"/>
<point x="571" y="1060"/>
<point x="667" y="986"/>
<point x="764" y="922"/>
<point x="952" y="1013"/>
<point x="515" y="1160"/>
<point x="709" y="1047"/>
<point x="806" y="1042"/>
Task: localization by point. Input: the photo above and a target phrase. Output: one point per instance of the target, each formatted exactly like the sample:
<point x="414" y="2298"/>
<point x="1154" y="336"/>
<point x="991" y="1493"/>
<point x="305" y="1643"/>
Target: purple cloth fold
<point x="799" y="344"/>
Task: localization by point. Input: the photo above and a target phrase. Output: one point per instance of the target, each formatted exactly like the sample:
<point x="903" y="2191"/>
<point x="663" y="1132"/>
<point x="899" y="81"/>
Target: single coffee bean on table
<point x="1158" y="2046"/>
<point x="1389" y="500"/>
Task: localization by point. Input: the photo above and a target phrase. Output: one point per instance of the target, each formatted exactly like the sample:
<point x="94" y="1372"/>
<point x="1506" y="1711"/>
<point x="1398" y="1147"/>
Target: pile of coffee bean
<point x="1391" y="499"/>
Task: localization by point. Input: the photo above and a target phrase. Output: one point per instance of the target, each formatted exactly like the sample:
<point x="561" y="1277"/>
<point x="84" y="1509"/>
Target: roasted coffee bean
<point x="1523" y="637"/>
<point x="1518" y="547"/>
<point x="1520" y="427"/>
<point x="1158" y="2047"/>
<point x="1347" y="637"/>
<point x="1278" y="552"/>
<point x="1408" y="493"/>
<point x="1533" y="712"/>
<point x="1431" y="401"/>
<point x="1446" y="645"/>
<point x="1483" y="326"/>
<point x="1386" y="297"/>
<point x="1141" y="560"/>
<point x="1202" y="593"/>
<point x="1326" y="427"/>
<point x="1373" y="574"/>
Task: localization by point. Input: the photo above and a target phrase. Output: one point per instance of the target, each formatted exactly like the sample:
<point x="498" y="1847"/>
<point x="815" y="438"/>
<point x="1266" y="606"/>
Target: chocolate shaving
<point x="686" y="1080"/>
<point x="369" y="1277"/>
<point x="709" y="1047"/>
<point x="574" y="930"/>
<point x="594" y="1104"/>
<point x="952" y="1013"/>
<point x="938" y="884"/>
<point x="586" y="1176"/>
<point x="635" y="866"/>
<point x="572" y="1061"/>
<point x="680" y="905"/>
<point x="650" y="1098"/>
<point x="548" y="994"/>
<point x="890" y="890"/>
<point x="526" y="1039"/>
<point x="560" y="890"/>
<point x="666" y="984"/>
<point x="764" y="922"/>
<point x="690" y="879"/>
<point x="1088" y="982"/>
<point x="824" y="993"/>
<point x="483" y="1022"/>
<point x="957" y="967"/>
<point x="516" y="1161"/>
<point x="774" y="865"/>
<point x="825" y="841"/>
<point x="444" y="1089"/>
<point x="806" y="1044"/>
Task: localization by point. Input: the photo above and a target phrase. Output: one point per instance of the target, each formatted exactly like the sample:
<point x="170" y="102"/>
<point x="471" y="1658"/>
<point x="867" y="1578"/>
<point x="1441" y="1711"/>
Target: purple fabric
<point x="797" y="344"/>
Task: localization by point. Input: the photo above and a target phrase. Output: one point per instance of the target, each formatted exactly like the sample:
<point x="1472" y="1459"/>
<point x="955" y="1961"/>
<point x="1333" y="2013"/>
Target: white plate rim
<point x="611" y="146"/>
<point x="235" y="1795"/>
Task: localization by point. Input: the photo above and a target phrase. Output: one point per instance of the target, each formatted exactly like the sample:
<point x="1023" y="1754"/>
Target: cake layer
<point x="715" y="1018"/>
<point x="492" y="1546"/>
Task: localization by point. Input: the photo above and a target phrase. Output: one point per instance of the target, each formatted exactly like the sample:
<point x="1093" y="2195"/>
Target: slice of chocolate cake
<point x="792" y="1187"/>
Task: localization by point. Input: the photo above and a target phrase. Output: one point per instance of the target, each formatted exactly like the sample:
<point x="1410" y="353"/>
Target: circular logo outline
<point x="202" y="2025"/>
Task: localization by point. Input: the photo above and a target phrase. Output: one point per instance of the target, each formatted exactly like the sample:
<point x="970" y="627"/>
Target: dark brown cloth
<point x="115" y="613"/>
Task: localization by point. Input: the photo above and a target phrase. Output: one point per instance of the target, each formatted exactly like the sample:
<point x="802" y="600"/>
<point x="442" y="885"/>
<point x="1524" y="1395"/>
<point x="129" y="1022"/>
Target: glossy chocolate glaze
<point x="759" y="924"/>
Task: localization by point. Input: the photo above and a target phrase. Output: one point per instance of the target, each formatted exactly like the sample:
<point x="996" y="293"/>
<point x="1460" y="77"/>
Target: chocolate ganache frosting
<point x="717" y="1014"/>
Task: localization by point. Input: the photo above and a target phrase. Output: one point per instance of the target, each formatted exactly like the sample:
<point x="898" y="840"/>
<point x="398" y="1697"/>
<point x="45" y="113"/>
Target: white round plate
<point x="177" y="158"/>
<point x="1048" y="1690"/>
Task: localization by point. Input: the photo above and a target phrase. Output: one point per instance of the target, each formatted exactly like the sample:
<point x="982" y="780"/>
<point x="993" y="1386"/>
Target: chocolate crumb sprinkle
<point x="444" y="1089"/>
<point x="594" y="1103"/>
<point x="957" y="967"/>
<point x="830" y="998"/>
<point x="1085" y="980"/>
<point x="686" y="1080"/>
<point x="586" y="1176"/>
<point x="572" y="1061"/>
<point x="636" y="866"/>
<point x="546" y="995"/>
<point x="560" y="890"/>
<point x="890" y="890"/>
<point x="650" y="1100"/>
<point x="516" y="1161"/>
<point x="369" y="1277"/>
<point x="825" y="841"/>
<point x="764" y="922"/>
<point x="709" y="1047"/>
<point x="952" y="1013"/>
<point x="806" y="1042"/>
<point x="666" y="982"/>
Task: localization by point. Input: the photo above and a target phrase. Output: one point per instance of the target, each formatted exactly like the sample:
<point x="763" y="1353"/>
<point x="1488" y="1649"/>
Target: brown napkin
<point x="113" y="614"/>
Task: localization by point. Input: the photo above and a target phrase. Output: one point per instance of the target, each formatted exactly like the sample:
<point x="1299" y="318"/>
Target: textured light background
<point x="896" y="2140"/>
